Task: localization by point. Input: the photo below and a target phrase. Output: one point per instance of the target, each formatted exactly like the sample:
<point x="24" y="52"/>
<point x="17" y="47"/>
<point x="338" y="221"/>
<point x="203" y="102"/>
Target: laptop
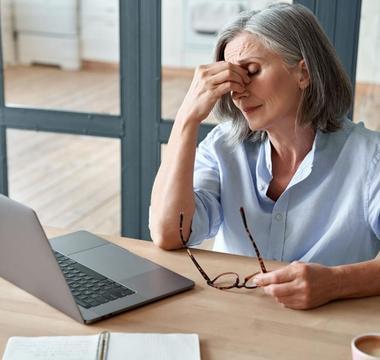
<point x="80" y="274"/>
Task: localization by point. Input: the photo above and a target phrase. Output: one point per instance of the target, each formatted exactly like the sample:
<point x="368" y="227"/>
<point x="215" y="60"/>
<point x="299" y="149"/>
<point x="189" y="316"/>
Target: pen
<point x="103" y="345"/>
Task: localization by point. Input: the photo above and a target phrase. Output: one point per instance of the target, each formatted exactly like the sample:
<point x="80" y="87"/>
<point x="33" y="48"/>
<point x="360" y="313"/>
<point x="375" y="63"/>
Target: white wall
<point x="368" y="67"/>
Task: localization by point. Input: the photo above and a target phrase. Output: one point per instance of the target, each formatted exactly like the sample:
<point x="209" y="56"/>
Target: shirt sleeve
<point x="374" y="194"/>
<point x="208" y="212"/>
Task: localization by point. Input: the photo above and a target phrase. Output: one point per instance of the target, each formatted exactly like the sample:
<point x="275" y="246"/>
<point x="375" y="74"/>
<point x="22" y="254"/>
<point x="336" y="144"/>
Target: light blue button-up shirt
<point x="329" y="212"/>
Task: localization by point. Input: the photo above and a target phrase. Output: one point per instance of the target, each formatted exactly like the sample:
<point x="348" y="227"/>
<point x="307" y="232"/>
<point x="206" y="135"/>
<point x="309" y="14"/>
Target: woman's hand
<point x="210" y="83"/>
<point x="300" y="285"/>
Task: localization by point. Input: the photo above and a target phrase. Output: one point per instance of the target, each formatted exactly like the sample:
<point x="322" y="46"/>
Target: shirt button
<point x="261" y="187"/>
<point x="278" y="217"/>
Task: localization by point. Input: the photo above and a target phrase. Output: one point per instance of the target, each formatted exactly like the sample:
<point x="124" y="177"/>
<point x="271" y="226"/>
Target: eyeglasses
<point x="227" y="280"/>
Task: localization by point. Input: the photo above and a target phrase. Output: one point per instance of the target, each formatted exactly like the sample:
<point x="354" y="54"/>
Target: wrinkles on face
<point x="272" y="96"/>
<point x="244" y="48"/>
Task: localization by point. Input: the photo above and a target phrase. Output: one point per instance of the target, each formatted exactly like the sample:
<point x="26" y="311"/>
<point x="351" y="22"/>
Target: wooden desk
<point x="237" y="324"/>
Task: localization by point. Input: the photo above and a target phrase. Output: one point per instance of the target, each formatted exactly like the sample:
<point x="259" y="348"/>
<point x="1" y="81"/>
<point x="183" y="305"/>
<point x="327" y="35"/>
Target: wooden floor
<point x="74" y="181"/>
<point x="71" y="181"/>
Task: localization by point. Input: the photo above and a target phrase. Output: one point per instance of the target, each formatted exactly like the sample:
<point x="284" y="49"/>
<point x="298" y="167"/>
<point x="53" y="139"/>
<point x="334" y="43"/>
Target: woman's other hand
<point x="210" y="83"/>
<point x="300" y="285"/>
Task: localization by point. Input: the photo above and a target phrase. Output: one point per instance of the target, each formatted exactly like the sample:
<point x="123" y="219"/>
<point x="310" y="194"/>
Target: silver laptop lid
<point x="27" y="260"/>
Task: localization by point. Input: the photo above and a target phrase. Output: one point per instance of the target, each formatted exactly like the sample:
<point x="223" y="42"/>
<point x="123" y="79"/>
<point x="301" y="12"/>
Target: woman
<point x="307" y="177"/>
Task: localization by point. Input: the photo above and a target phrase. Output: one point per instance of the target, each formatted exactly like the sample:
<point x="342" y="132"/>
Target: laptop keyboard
<point x="88" y="287"/>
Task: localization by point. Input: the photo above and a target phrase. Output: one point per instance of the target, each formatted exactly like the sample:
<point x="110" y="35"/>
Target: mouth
<point x="251" y="109"/>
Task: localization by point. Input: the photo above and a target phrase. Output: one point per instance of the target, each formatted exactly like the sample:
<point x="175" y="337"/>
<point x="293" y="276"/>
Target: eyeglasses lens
<point x="226" y="281"/>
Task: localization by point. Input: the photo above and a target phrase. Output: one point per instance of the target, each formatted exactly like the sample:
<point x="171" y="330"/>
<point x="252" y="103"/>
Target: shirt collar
<point x="307" y="163"/>
<point x="264" y="163"/>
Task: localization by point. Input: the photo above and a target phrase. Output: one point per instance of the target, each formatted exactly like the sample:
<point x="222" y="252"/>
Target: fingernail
<point x="256" y="280"/>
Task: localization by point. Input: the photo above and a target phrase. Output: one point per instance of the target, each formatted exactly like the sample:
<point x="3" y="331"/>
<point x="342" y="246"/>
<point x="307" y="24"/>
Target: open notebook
<point x="105" y="346"/>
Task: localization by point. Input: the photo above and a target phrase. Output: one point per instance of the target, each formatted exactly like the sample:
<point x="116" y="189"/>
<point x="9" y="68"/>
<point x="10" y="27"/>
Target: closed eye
<point x="253" y="69"/>
<point x="253" y="73"/>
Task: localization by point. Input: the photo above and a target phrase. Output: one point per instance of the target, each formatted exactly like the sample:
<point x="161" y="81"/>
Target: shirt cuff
<point x="199" y="224"/>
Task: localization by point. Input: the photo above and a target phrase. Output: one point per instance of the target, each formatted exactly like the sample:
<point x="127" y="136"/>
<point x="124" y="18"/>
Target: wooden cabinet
<point x="65" y="32"/>
<point x="47" y="32"/>
<point x="189" y="29"/>
<point x="99" y="23"/>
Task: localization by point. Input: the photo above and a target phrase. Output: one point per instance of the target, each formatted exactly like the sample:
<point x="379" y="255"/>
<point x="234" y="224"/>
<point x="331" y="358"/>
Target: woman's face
<point x="271" y="99"/>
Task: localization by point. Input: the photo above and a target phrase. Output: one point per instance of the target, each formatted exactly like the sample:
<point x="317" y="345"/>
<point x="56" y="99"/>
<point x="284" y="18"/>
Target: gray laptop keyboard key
<point x="88" y="287"/>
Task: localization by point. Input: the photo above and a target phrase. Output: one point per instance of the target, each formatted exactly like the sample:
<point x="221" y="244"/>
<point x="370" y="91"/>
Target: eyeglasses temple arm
<point x="262" y="266"/>
<point x="205" y="276"/>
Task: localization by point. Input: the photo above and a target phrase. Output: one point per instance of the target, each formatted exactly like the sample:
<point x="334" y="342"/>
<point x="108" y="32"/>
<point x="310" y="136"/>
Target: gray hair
<point x="292" y="32"/>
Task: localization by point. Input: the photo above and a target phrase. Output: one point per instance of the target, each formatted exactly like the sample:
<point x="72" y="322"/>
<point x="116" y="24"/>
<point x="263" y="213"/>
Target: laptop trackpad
<point x="114" y="262"/>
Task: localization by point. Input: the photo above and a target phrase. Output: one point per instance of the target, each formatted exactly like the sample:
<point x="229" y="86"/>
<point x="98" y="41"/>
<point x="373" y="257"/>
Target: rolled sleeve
<point x="199" y="227"/>
<point x="208" y="212"/>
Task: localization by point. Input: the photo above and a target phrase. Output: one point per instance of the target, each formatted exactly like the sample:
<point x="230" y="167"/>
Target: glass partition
<point x="71" y="181"/>
<point x="61" y="54"/>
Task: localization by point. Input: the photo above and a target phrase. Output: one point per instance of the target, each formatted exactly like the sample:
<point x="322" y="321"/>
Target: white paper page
<point x="153" y="346"/>
<point x="52" y="348"/>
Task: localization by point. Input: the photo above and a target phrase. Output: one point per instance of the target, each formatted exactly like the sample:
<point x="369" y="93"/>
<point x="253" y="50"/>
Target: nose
<point x="238" y="95"/>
